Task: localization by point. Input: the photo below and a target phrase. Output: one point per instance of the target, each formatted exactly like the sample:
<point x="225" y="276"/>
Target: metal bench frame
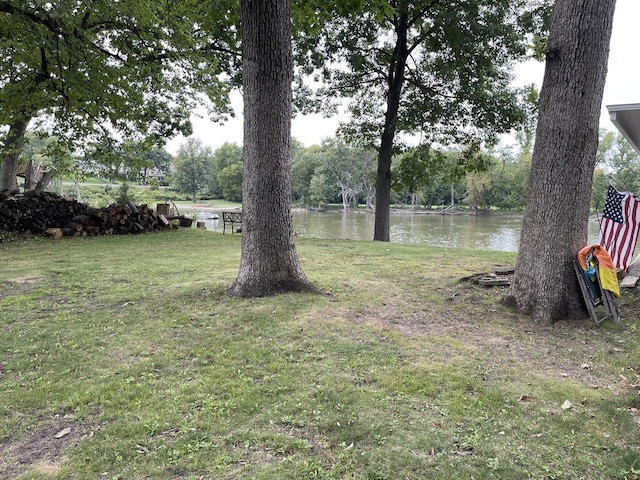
<point x="231" y="218"/>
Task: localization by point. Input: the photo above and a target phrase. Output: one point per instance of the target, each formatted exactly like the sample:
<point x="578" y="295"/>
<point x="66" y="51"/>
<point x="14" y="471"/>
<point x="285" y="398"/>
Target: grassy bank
<point x="128" y="349"/>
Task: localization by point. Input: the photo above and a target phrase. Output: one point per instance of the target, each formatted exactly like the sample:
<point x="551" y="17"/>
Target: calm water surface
<point x="465" y="231"/>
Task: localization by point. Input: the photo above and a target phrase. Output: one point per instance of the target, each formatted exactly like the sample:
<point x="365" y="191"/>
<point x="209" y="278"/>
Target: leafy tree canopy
<point x="619" y="165"/>
<point x="192" y="167"/>
<point x="97" y="67"/>
<point x="226" y="155"/>
<point x="230" y="180"/>
<point x="459" y="56"/>
<point x="438" y="68"/>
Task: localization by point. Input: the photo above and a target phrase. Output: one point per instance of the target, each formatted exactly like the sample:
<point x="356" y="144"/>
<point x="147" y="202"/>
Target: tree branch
<point x="52" y="25"/>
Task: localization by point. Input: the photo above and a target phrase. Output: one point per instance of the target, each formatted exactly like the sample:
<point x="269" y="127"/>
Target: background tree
<point x="525" y="132"/>
<point x="440" y="68"/>
<point x="367" y="159"/>
<point x="269" y="262"/>
<point x="125" y="159"/>
<point x="106" y="69"/>
<point x="509" y="182"/>
<point x="41" y="158"/>
<point x="435" y="194"/>
<point x="417" y="170"/>
<point x="224" y="156"/>
<point x="503" y="185"/>
<point x="424" y="170"/>
<point x="348" y="167"/>
<point x="304" y="163"/>
<point x="192" y="165"/>
<point x="320" y="189"/>
<point x="230" y="181"/>
<point x="478" y="192"/>
<point x="135" y="161"/>
<point x="564" y="157"/>
<point x="618" y="157"/>
<point x="617" y="163"/>
<point x="599" y="190"/>
<point x="159" y="158"/>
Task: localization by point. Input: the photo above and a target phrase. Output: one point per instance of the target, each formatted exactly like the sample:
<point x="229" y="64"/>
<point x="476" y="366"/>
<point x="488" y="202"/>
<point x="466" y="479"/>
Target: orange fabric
<point x="607" y="270"/>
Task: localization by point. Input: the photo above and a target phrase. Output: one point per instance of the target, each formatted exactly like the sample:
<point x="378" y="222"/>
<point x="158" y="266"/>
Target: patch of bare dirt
<point x="20" y="286"/>
<point x="41" y="451"/>
<point x="471" y="316"/>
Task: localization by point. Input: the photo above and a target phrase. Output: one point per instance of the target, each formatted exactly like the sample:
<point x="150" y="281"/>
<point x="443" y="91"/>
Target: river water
<point x="464" y="231"/>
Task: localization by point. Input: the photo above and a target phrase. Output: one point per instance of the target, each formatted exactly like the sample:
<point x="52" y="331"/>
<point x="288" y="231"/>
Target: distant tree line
<point x="203" y="173"/>
<point x="336" y="172"/>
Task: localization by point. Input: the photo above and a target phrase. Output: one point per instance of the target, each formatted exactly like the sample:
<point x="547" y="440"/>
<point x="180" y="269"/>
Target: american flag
<point x="619" y="226"/>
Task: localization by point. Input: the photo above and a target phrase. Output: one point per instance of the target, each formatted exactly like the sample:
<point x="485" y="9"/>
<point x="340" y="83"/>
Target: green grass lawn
<point x="129" y="350"/>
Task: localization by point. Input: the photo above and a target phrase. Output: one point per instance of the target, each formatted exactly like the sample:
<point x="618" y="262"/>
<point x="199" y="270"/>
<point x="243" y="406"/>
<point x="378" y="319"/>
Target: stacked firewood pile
<point x="48" y="213"/>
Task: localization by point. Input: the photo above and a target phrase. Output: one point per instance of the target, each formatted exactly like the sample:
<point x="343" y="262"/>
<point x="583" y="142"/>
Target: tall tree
<point x="269" y="262"/>
<point x="349" y="167"/>
<point x="99" y="67"/>
<point x="224" y="156"/>
<point x="192" y="167"/>
<point x="230" y="181"/>
<point x="564" y="157"/>
<point x="159" y="158"/>
<point x="304" y="162"/>
<point x="616" y="162"/>
<point x="440" y="68"/>
<point x="615" y="153"/>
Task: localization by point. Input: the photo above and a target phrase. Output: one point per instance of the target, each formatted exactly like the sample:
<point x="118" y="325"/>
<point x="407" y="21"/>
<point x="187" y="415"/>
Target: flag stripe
<point x="630" y="231"/>
<point x="619" y="239"/>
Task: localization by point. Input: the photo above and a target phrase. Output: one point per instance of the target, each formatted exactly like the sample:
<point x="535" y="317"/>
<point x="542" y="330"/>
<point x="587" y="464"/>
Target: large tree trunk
<point x="10" y="154"/>
<point x="385" y="153"/>
<point x="29" y="177"/>
<point x="555" y="221"/>
<point x="269" y="263"/>
<point x="45" y="180"/>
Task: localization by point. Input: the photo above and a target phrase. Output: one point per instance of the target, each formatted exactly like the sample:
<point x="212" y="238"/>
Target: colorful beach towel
<point x="606" y="269"/>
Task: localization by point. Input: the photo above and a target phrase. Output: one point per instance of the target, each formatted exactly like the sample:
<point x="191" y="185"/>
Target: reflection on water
<point x="465" y="231"/>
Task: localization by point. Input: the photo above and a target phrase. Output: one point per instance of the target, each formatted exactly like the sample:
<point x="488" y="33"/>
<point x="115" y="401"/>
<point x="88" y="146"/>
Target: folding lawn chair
<point x="592" y="291"/>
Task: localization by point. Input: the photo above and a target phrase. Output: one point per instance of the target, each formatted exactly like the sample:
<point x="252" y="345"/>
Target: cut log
<point x="36" y="212"/>
<point x="54" y="232"/>
<point x="96" y="212"/>
<point x="78" y="227"/>
<point x="133" y="208"/>
<point x="82" y="219"/>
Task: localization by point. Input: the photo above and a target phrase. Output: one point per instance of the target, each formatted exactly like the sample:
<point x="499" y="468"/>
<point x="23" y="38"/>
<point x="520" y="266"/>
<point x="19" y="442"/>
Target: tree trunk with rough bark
<point x="44" y="181"/>
<point x="29" y="177"/>
<point x="269" y="263"/>
<point x="10" y="153"/>
<point x="558" y="196"/>
<point x="385" y="152"/>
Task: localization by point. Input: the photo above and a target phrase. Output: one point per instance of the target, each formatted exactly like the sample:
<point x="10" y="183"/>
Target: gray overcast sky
<point x="623" y="80"/>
